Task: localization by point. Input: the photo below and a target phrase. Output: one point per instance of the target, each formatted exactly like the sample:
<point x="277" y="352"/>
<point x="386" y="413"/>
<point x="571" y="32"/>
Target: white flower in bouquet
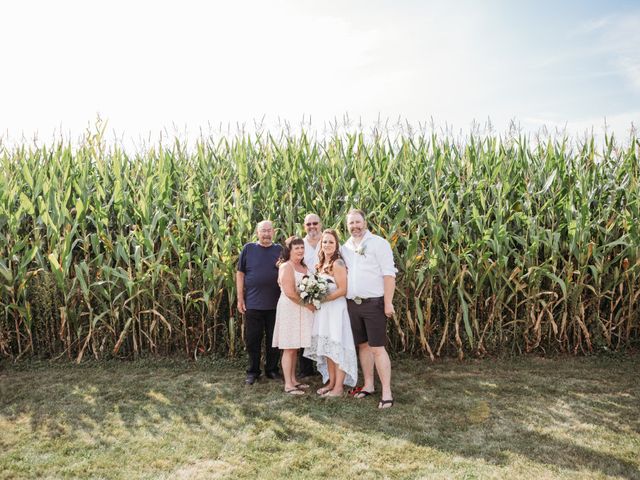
<point x="313" y="288"/>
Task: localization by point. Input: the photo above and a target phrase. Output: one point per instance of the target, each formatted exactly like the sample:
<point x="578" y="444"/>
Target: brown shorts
<point x="368" y="322"/>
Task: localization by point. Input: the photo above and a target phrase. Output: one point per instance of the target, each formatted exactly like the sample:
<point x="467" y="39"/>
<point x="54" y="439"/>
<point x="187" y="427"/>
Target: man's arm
<point x="389" y="290"/>
<point x="240" y="289"/>
<point x="384" y="255"/>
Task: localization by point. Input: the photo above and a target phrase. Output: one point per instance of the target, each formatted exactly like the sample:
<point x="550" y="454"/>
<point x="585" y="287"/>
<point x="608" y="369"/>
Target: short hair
<point x="261" y="223"/>
<point x="285" y="254"/>
<point x="357" y="211"/>
<point x="314" y="215"/>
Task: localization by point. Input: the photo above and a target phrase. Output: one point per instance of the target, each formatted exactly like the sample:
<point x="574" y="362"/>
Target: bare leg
<point x="365" y="354"/>
<point x="288" y="368"/>
<point x="383" y="367"/>
<point x="331" y="368"/>
<point x="292" y="372"/>
<point x="338" y="387"/>
<point x="294" y="364"/>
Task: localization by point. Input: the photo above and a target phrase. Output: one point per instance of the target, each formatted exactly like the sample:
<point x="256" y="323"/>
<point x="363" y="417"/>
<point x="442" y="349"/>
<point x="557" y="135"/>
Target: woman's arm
<point x="288" y="282"/>
<point x="340" y="275"/>
<point x="289" y="287"/>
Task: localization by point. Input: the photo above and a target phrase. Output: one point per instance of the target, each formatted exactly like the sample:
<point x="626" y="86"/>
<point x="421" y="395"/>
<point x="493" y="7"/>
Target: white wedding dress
<point x="331" y="337"/>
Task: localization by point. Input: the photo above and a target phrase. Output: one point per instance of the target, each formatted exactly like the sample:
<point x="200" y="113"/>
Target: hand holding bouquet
<point x="313" y="288"/>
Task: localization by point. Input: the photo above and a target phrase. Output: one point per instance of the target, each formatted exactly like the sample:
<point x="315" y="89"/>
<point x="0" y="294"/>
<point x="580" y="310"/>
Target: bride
<point x="332" y="345"/>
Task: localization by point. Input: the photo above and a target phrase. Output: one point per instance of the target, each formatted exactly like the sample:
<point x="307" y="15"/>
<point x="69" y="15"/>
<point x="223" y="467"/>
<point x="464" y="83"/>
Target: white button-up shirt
<point x="367" y="265"/>
<point x="311" y="255"/>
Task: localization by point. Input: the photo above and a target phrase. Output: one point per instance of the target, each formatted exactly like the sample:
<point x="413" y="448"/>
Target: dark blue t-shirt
<point x="258" y="263"/>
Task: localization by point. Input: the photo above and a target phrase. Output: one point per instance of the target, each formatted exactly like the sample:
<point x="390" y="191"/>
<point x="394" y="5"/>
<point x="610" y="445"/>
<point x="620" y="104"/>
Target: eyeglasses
<point x="308" y="224"/>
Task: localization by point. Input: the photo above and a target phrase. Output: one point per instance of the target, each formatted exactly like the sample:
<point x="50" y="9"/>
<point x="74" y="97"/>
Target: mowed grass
<point x="529" y="417"/>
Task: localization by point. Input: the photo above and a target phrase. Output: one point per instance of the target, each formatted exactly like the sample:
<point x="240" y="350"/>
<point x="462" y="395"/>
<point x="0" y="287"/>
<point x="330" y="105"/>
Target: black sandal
<point x="362" y="394"/>
<point x="381" y="405"/>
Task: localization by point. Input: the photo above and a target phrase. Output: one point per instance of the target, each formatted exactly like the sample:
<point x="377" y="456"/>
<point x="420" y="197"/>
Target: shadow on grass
<point x="536" y="409"/>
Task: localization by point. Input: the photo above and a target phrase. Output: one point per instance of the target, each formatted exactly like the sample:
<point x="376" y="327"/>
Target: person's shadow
<point x="472" y="410"/>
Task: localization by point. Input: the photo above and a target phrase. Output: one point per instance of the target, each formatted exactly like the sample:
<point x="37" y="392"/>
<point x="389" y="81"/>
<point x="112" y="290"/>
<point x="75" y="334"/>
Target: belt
<point x="359" y="300"/>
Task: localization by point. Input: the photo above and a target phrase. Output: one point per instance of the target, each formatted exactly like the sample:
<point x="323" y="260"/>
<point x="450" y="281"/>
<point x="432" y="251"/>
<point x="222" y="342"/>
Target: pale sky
<point x="148" y="65"/>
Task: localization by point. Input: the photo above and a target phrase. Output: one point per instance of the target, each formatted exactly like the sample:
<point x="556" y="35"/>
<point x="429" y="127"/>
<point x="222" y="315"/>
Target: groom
<point x="370" y="286"/>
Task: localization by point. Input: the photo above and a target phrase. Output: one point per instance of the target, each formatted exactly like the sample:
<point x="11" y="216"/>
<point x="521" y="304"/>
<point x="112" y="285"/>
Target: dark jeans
<point x="306" y="367"/>
<point x="258" y="325"/>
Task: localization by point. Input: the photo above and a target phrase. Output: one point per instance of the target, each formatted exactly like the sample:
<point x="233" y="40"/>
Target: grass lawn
<point x="532" y="418"/>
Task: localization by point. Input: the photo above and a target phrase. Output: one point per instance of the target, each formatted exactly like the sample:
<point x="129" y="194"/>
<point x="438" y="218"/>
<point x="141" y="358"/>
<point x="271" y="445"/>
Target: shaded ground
<point x="525" y="418"/>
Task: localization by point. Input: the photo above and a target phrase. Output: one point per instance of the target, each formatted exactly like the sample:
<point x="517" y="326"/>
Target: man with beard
<point x="371" y="282"/>
<point x="313" y="228"/>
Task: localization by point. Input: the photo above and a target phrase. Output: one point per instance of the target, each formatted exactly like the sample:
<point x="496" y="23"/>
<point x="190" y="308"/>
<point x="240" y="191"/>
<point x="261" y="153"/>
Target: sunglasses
<point x="311" y="223"/>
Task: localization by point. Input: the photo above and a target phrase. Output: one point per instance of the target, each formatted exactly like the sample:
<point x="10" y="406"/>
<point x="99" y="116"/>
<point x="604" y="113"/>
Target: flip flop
<point x="323" y="390"/>
<point x="294" y="391"/>
<point x="382" y="404"/>
<point x="354" y="390"/>
<point x="362" y="394"/>
<point x="301" y="386"/>
<point x="330" y="395"/>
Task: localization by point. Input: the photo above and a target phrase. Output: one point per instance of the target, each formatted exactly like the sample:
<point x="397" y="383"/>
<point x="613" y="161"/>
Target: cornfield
<point x="503" y="245"/>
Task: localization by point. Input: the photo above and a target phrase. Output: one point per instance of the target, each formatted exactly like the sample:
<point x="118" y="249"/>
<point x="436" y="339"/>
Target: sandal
<point x="302" y="386"/>
<point x="330" y="395"/>
<point x="322" y="390"/>
<point x="382" y="404"/>
<point x="294" y="391"/>
<point x="362" y="394"/>
<point x="354" y="390"/>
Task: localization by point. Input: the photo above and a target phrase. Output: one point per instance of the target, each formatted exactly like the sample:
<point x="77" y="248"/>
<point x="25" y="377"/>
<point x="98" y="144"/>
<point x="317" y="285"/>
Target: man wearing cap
<point x="371" y="283"/>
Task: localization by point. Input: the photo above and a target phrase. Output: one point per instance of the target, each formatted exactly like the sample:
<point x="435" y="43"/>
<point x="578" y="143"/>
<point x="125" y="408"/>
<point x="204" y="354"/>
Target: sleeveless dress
<point x="293" y="322"/>
<point x="331" y="337"/>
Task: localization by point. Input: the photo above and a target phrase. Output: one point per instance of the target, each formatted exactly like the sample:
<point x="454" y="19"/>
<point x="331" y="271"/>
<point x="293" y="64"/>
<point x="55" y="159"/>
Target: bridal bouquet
<point x="313" y="288"/>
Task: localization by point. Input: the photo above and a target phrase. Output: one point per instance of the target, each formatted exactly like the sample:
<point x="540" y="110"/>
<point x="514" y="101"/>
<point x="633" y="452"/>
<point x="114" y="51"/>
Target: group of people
<point x="350" y="323"/>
